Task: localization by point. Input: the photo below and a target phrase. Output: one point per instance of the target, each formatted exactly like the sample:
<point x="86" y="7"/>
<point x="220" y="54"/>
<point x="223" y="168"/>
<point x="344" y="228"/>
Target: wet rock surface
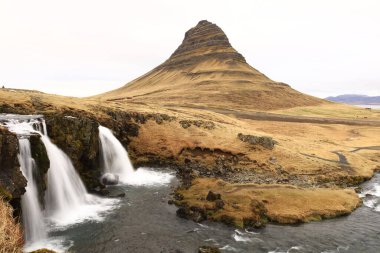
<point x="12" y="182"/>
<point x="79" y="139"/>
<point x="208" y="249"/>
<point x="41" y="159"/>
<point x="110" y="179"/>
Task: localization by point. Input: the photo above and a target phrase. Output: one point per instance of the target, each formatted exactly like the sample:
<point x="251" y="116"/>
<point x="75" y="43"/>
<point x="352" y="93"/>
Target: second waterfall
<point x="115" y="161"/>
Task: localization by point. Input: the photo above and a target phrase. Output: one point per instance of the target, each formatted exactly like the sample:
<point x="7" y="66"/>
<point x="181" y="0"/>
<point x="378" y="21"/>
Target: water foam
<point x="67" y="201"/>
<point x="370" y="194"/>
<point x="115" y="160"/>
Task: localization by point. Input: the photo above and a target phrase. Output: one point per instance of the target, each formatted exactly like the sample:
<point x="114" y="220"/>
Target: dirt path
<point x="288" y="118"/>
<point x="367" y="148"/>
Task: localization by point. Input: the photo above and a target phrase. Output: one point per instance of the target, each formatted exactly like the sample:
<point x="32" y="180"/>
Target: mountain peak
<point x="204" y="41"/>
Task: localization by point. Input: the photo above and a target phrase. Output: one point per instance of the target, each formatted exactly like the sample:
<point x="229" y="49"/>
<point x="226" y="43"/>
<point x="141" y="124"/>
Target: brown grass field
<point x="11" y="239"/>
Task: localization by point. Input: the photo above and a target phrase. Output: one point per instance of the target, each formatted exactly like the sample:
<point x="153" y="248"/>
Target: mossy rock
<point x="208" y="249"/>
<point x="41" y="158"/>
<point x="78" y="137"/>
<point x="12" y="182"/>
<point x="43" y="251"/>
<point x="5" y="194"/>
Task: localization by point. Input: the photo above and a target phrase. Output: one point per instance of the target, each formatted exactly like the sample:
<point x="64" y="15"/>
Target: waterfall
<point x="115" y="158"/>
<point x="32" y="217"/>
<point x="66" y="198"/>
<point x="65" y="192"/>
<point x="115" y="161"/>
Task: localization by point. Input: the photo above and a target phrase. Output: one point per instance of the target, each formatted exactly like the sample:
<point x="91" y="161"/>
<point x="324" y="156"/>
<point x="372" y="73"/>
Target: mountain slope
<point x="206" y="70"/>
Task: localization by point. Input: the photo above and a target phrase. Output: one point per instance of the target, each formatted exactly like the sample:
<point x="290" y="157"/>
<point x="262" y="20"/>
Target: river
<point x="143" y="222"/>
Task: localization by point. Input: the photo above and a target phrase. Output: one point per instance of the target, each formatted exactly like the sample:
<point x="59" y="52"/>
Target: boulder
<point x="211" y="196"/>
<point x="109" y="179"/>
<point x="264" y="141"/>
<point x="41" y="159"/>
<point x="208" y="249"/>
<point x="78" y="137"/>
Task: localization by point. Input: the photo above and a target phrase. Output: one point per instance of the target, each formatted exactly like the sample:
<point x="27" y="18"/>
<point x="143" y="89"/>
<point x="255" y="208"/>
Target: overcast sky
<point x="85" y="47"/>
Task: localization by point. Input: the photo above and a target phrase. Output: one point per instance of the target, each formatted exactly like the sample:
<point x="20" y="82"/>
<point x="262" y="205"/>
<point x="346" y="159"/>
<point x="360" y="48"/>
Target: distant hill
<point x="356" y="99"/>
<point x="206" y="71"/>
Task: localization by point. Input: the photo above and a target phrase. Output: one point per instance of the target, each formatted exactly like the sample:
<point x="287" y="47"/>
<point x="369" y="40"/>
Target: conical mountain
<point x="206" y="71"/>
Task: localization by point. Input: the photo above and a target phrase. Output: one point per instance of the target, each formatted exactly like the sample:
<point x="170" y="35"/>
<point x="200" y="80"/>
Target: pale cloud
<point x="85" y="47"/>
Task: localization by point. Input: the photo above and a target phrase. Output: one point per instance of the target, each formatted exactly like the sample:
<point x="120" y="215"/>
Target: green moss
<point x="239" y="223"/>
<point x="5" y="194"/>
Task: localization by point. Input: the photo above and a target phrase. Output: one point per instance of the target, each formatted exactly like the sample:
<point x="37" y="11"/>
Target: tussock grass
<point x="11" y="239"/>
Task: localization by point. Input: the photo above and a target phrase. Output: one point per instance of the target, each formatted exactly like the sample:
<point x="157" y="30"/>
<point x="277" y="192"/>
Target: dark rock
<point x="208" y="249"/>
<point x="219" y="204"/>
<point x="183" y="212"/>
<point x="110" y="192"/>
<point x="178" y="196"/>
<point x="264" y="141"/>
<point x="198" y="123"/>
<point x="109" y="179"/>
<point x="41" y="159"/>
<point x="12" y="182"/>
<point x="211" y="196"/>
<point x="194" y="213"/>
<point x="185" y="123"/>
<point x="253" y="223"/>
<point x="228" y="220"/>
<point x="78" y="137"/>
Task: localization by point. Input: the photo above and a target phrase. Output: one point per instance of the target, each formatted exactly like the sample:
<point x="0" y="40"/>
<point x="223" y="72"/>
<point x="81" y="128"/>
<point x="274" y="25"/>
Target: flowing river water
<point x="143" y="222"/>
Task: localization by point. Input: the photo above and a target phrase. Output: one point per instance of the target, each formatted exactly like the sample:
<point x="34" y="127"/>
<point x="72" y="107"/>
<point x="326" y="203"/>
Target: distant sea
<point x="370" y="106"/>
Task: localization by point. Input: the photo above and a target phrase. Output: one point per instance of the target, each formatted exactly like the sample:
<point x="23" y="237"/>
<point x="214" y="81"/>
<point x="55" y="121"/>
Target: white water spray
<point x="116" y="161"/>
<point x="32" y="217"/>
<point x="114" y="157"/>
<point x="66" y="199"/>
<point x="370" y="193"/>
<point x="66" y="194"/>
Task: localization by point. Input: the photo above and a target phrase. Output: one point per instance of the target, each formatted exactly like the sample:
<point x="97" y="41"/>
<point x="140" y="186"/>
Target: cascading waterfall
<point x="114" y="157"/>
<point x="65" y="192"/>
<point x="66" y="198"/>
<point x="32" y="217"/>
<point x="116" y="162"/>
